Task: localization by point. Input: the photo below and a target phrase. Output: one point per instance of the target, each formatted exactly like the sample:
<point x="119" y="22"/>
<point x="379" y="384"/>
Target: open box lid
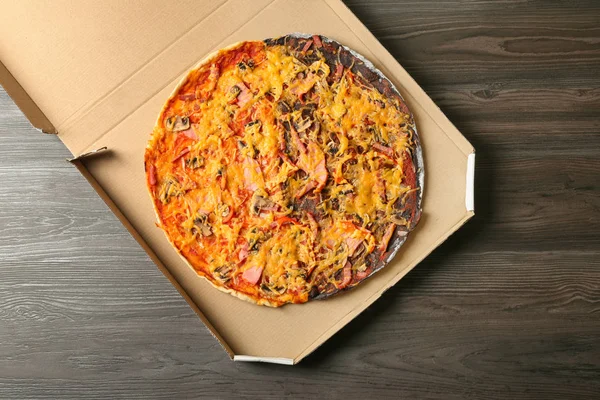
<point x="98" y="73"/>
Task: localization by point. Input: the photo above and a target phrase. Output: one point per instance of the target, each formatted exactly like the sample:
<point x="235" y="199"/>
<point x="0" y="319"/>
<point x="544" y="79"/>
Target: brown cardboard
<point x="101" y="71"/>
<point x="24" y="102"/>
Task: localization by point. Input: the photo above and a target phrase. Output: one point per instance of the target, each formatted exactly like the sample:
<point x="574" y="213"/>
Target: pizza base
<point x="394" y="244"/>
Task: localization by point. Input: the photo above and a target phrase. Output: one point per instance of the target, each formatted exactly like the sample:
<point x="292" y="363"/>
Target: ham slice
<point x="250" y="184"/>
<point x="353" y="244"/>
<point x="252" y="275"/>
<point x="386" y="237"/>
<point x="213" y="77"/>
<point x="190" y="134"/>
<point x="346" y="275"/>
<point x="388" y="151"/>
<point x="253" y="177"/>
<point x="152" y="175"/>
<point x="320" y="175"/>
<point x="297" y="140"/>
<point x="183" y="153"/>
<point x="307" y="46"/>
<point x="317" y="40"/>
<point x="243" y="254"/>
<point x="362" y="274"/>
<point x="312" y="161"/>
<point x="245" y="94"/>
<point x="307" y="188"/>
<point x="243" y="98"/>
<point x="187" y="97"/>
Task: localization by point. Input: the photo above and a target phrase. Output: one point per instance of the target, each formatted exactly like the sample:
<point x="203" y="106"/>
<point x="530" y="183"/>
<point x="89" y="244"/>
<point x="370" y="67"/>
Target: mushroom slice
<point x="201" y="224"/>
<point x="195" y="162"/>
<point x="181" y="124"/>
<point x="260" y="202"/>
<point x="223" y="273"/>
<point x="177" y="123"/>
<point x="170" y="123"/>
<point x="233" y="93"/>
<point x="302" y="124"/>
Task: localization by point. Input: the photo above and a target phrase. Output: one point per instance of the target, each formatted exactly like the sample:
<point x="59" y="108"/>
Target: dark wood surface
<point x="508" y="308"/>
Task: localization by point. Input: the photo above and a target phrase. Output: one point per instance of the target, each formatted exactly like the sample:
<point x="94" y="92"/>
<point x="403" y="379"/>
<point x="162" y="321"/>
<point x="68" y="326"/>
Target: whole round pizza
<point x="285" y="170"/>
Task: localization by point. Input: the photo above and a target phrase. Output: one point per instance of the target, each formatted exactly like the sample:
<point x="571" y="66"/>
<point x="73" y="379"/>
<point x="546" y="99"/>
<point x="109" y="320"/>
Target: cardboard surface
<point x="109" y="67"/>
<point x="33" y="113"/>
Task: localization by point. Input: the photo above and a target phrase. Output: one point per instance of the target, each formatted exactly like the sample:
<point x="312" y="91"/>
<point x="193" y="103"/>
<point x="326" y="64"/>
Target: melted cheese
<point x="232" y="179"/>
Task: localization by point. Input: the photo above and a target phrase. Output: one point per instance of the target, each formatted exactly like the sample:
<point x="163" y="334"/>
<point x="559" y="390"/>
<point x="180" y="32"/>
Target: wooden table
<point x="508" y="308"/>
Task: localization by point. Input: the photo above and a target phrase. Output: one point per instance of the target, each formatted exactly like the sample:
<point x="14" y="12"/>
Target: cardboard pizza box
<point x="96" y="73"/>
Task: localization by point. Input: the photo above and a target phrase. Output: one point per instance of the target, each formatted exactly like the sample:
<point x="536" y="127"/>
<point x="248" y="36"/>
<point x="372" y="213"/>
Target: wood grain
<point x="508" y="308"/>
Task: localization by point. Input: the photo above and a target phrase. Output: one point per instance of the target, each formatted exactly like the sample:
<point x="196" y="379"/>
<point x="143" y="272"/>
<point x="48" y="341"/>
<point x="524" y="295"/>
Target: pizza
<point x="285" y="170"/>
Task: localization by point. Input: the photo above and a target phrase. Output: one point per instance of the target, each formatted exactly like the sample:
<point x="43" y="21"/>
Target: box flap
<point x="33" y="113"/>
<point x="69" y="56"/>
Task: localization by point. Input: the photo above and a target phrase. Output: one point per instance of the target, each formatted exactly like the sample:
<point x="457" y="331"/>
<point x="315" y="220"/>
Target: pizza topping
<point x="201" y="224"/>
<point x="204" y="91"/>
<point x="362" y="272"/>
<point x="222" y="273"/>
<point x="317" y="41"/>
<point x="388" y="151"/>
<point x="253" y="175"/>
<point x="190" y="134"/>
<point x="346" y="275"/>
<point x="244" y="95"/>
<point x="302" y="124"/>
<point x="252" y="275"/>
<point x="187" y="96"/>
<point x="181" y="154"/>
<point x="170" y="123"/>
<point x="233" y="93"/>
<point x="256" y="237"/>
<point x="320" y="174"/>
<point x="305" y="81"/>
<point x="284" y="168"/>
<point x="305" y="189"/>
<point x="283" y="107"/>
<point x="194" y="162"/>
<point x="225" y="210"/>
<point x="261" y="203"/>
<point x="152" y="175"/>
<point x="386" y="237"/>
<point x="307" y="46"/>
<point x="177" y="123"/>
<point x="170" y="187"/>
<point x="297" y="140"/>
<point x="245" y="65"/>
<point x="339" y="69"/>
<point x="352" y="244"/>
<point x="312" y="161"/>
<point x="243" y="254"/>
<point x="314" y="226"/>
<point x="379" y="188"/>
